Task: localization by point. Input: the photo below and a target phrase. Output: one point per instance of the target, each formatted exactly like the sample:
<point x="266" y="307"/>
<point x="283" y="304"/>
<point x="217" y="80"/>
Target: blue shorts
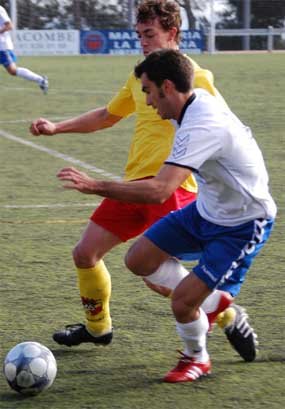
<point x="224" y="253"/>
<point x="7" y="58"/>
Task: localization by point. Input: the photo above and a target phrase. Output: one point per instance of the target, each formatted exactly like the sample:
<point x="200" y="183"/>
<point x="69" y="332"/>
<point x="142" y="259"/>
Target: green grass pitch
<point x="40" y="223"/>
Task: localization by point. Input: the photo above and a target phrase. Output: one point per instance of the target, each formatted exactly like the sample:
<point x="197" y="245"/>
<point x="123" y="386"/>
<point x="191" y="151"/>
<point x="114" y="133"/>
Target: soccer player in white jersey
<point x="158" y="25"/>
<point x="8" y="58"/>
<point x="225" y="227"/>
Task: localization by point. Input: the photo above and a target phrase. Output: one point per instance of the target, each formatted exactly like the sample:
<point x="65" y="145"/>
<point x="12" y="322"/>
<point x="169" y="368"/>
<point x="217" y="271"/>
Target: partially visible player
<point x="8" y="58"/>
<point x="226" y="226"/>
<point x="113" y="222"/>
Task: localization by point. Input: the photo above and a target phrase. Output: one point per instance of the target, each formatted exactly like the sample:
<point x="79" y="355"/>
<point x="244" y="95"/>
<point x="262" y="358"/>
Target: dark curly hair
<point x="167" y="64"/>
<point x="167" y="12"/>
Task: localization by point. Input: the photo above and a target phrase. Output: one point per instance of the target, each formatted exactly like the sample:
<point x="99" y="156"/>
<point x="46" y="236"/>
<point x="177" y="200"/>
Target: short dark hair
<point x="167" y="64"/>
<point x="166" y="11"/>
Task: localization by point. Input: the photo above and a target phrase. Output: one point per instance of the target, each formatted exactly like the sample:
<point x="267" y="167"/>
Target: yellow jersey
<point x="153" y="137"/>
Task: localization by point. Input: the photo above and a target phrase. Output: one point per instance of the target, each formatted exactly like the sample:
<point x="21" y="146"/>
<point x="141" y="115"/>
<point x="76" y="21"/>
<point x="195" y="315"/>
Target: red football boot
<point x="187" y="370"/>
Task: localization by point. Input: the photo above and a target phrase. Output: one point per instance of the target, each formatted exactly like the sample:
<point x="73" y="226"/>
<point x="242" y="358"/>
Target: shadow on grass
<point x="274" y="357"/>
<point x="14" y="396"/>
<point x="70" y="351"/>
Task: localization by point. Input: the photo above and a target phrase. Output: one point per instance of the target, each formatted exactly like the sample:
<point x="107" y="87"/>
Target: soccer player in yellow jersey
<point x="113" y="222"/>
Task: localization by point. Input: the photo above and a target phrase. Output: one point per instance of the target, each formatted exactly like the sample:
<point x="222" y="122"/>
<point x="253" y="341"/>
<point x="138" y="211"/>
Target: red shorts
<point x="128" y="220"/>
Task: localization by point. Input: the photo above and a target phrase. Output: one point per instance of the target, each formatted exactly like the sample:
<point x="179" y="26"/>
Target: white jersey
<point x="5" y="38"/>
<point x="226" y="161"/>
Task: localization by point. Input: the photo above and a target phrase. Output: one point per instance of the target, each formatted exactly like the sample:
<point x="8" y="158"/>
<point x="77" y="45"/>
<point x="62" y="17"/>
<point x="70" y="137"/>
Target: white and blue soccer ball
<point x="30" y="368"/>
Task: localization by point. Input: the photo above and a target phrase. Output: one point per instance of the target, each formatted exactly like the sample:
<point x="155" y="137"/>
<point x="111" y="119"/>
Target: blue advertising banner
<point x="192" y="41"/>
<point x="126" y="42"/>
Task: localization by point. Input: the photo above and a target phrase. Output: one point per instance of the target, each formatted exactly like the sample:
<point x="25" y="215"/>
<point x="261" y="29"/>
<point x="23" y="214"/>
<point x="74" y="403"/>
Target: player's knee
<point x="136" y="265"/>
<point x="11" y="70"/>
<point x="131" y="263"/>
<point x="76" y="254"/>
<point x="83" y="258"/>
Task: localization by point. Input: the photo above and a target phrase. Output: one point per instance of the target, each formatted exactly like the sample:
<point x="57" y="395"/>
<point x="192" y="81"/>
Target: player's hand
<point x="77" y="180"/>
<point x="42" y="126"/>
<point x="159" y="289"/>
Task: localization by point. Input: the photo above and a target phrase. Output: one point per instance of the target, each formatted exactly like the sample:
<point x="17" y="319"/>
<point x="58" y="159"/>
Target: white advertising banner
<point x="47" y="42"/>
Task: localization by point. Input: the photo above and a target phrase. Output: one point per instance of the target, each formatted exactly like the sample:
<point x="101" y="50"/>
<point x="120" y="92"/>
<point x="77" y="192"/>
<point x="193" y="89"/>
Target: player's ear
<point x="172" y="33"/>
<point x="168" y="86"/>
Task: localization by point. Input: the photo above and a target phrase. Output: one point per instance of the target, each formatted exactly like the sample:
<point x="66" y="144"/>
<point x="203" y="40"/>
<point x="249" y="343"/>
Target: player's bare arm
<point x="6" y="27"/>
<point x="153" y="190"/>
<point x="90" y="121"/>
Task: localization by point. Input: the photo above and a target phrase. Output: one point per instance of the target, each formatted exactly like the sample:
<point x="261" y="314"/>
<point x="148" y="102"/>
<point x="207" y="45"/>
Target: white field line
<point x="59" y="155"/>
<point x="50" y="206"/>
<point x="29" y="120"/>
<point x="60" y="91"/>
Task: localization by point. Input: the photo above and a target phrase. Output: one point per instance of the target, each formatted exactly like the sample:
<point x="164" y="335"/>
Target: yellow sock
<point x="95" y="293"/>
<point x="226" y="318"/>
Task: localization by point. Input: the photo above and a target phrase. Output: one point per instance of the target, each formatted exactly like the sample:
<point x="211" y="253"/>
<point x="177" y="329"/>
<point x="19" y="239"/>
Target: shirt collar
<point x="187" y="103"/>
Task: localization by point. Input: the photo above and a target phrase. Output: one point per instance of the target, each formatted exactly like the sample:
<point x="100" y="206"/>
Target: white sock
<point x="169" y="274"/>
<point x="211" y="303"/>
<point x="28" y="75"/>
<point x="194" y="335"/>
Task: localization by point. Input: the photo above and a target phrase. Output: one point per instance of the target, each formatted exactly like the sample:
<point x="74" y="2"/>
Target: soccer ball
<point x="30" y="368"/>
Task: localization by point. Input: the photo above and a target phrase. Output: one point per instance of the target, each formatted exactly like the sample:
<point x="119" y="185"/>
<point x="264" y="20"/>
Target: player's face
<point x="156" y="98"/>
<point x="152" y="36"/>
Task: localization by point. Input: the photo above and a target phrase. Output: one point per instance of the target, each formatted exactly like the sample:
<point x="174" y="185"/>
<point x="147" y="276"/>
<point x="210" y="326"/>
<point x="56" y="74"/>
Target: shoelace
<point x="79" y="325"/>
<point x="183" y="361"/>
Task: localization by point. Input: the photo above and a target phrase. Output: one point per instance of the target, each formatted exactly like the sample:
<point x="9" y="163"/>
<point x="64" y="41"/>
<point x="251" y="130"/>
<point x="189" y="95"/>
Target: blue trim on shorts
<point x="7" y="58"/>
<point x="224" y="253"/>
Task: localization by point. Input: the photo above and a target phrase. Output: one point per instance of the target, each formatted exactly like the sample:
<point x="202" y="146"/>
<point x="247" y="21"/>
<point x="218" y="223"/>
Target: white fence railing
<point x="269" y="32"/>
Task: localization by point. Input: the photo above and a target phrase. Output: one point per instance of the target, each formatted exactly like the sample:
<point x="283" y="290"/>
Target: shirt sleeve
<point x="4" y="16"/>
<point x="123" y="104"/>
<point x="193" y="146"/>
